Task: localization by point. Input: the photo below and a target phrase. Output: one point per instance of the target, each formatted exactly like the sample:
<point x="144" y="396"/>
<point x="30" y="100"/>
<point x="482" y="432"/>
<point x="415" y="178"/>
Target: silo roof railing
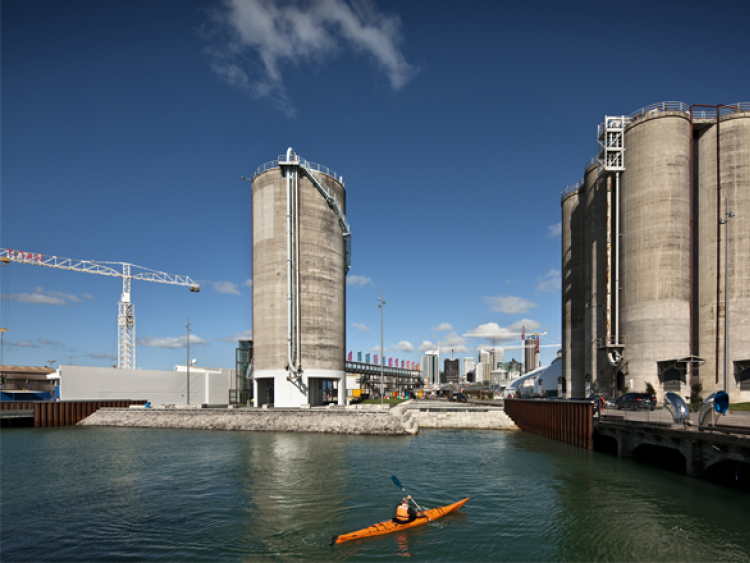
<point x="729" y="109"/>
<point x="659" y="107"/>
<point x="306" y="163"/>
<point x="590" y="162"/>
<point x="570" y="188"/>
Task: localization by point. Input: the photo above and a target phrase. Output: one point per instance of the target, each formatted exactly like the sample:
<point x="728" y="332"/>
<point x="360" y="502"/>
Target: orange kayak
<point x="389" y="526"/>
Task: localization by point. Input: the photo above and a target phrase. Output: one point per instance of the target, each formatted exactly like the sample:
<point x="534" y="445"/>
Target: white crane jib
<point x="126" y="316"/>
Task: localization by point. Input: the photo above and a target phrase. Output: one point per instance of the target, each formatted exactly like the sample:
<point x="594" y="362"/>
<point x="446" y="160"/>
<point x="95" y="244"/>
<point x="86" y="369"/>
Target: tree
<point x="650" y="389"/>
<point x="696" y="390"/>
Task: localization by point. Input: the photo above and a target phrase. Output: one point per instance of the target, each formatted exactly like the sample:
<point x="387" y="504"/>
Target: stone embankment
<point x="461" y="417"/>
<point x="375" y="421"/>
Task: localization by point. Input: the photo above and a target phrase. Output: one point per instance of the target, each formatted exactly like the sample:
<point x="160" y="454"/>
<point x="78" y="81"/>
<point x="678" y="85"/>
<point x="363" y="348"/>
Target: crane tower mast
<point x="126" y="315"/>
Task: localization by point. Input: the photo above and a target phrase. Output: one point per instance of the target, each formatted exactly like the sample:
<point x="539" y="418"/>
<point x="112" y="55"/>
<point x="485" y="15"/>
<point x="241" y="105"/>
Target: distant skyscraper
<point x="485" y="360"/>
<point x="469" y="364"/>
<point x="531" y="353"/>
<point x="431" y="368"/>
<point x="452" y="370"/>
<point x="479" y="372"/>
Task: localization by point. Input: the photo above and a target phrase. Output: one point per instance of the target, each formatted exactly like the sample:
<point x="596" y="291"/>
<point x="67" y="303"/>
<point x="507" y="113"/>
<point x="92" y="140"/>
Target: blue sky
<point x="126" y="126"/>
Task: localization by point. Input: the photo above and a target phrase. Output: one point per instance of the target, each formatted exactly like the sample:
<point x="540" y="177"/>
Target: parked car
<point x="635" y="401"/>
<point x="458" y="397"/>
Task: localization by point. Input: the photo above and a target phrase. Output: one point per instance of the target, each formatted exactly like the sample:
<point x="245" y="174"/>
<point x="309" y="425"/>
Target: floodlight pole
<point x="381" y="304"/>
<point x="188" y="360"/>
<point x="725" y="221"/>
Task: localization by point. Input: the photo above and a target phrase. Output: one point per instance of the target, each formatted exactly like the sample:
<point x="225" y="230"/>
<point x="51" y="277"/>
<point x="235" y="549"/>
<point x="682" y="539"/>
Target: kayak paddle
<point x="400" y="486"/>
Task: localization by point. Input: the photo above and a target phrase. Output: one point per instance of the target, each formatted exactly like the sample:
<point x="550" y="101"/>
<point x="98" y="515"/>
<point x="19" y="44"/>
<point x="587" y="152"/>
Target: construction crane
<point x="126" y="316"/>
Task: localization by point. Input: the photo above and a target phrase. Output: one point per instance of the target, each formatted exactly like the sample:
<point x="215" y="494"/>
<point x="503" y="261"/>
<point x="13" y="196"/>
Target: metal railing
<point x="660" y="107"/>
<point x="570" y="188"/>
<point x="306" y="163"/>
<point x="590" y="162"/>
<point x="729" y="109"/>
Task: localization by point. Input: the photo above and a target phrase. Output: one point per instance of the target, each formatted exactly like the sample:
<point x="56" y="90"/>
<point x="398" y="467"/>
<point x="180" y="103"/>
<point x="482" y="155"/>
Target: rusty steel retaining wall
<point x="63" y="413"/>
<point x="567" y="421"/>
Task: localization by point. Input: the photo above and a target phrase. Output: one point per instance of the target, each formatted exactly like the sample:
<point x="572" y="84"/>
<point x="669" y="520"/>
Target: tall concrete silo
<point x="573" y="299"/>
<point x="300" y="260"/>
<point x="595" y="286"/>
<point x="732" y="154"/>
<point x="655" y="249"/>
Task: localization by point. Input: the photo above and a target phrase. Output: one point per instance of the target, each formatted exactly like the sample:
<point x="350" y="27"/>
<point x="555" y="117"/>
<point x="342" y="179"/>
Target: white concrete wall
<point x="159" y="387"/>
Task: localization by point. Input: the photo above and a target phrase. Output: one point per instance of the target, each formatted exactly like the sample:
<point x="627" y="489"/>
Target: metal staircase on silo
<point x="611" y="159"/>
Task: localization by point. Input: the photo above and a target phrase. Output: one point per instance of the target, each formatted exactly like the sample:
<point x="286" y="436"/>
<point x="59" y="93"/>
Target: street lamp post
<point x="725" y="221"/>
<point x="381" y="304"/>
<point x="188" y="360"/>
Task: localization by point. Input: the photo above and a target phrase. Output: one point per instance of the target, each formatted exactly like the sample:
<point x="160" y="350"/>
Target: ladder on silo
<point x="611" y="159"/>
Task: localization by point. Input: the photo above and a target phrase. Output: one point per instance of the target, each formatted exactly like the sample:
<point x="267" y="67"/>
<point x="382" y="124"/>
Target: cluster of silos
<point x="722" y="155"/>
<point x="299" y="283"/>
<point x="667" y="307"/>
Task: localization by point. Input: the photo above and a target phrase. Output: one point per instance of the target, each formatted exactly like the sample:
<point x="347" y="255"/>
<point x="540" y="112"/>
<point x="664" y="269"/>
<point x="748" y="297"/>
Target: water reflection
<point x="101" y="494"/>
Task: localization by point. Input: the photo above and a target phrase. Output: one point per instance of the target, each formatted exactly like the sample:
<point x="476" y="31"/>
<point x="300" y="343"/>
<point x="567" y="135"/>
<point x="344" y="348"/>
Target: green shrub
<point x="696" y="390"/>
<point x="650" y="389"/>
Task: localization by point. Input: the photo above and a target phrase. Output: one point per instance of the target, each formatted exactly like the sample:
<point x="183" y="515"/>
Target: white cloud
<point x="404" y="346"/>
<point x="87" y="296"/>
<point x="358" y="281"/>
<point x="225" y="287"/>
<point x="44" y="297"/>
<point x="360" y="326"/>
<point x="509" y="304"/>
<point x="173" y="342"/>
<point x="451" y="341"/>
<point x="552" y="281"/>
<point x="442" y="327"/>
<point x="248" y="283"/>
<point x="37" y="298"/>
<point x="257" y="38"/>
<point x="376" y="349"/>
<point x="245" y="335"/>
<point x="36" y="343"/>
<point x="528" y="324"/>
<point x="554" y="231"/>
<point x="502" y="334"/>
<point x="69" y="296"/>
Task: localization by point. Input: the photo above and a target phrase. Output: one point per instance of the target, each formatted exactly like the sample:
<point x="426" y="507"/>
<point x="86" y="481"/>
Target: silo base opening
<point x="323" y="391"/>
<point x="264" y="392"/>
<point x="742" y="374"/>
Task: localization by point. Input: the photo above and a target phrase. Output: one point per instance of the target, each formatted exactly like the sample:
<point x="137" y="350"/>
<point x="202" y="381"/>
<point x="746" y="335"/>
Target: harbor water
<point x="128" y="494"/>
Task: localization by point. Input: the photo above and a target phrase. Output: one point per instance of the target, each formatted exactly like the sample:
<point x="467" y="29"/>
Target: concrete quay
<point x="381" y="422"/>
<point x="438" y="414"/>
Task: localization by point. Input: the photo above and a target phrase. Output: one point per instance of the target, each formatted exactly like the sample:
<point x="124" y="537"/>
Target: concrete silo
<point x="573" y="303"/>
<point x="655" y="251"/>
<point x="300" y="260"/>
<point x="595" y="240"/>
<point x="729" y="160"/>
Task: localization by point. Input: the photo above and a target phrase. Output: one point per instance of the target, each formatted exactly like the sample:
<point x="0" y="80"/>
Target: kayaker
<point x="405" y="513"/>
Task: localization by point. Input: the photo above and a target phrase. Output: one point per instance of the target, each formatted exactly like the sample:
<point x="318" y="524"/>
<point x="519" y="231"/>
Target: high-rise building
<point x="431" y="368"/>
<point x="469" y="364"/>
<point x="531" y="353"/>
<point x="485" y="360"/>
<point x="479" y="372"/>
<point x="452" y="370"/>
